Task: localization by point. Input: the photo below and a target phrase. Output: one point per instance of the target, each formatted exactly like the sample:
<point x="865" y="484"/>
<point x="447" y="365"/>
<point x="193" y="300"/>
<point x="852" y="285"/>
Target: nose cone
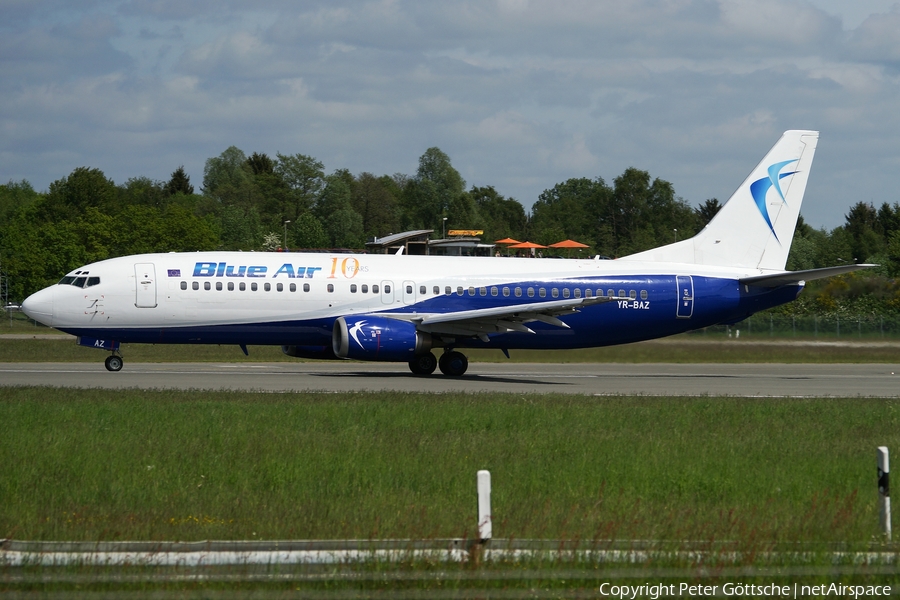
<point x="39" y="306"/>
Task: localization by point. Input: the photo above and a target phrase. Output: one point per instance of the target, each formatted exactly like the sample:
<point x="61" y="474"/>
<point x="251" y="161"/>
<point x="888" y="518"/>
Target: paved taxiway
<point x="653" y="379"/>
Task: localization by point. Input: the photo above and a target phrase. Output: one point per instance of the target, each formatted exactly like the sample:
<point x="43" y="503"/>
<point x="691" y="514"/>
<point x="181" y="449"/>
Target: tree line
<point x="245" y="201"/>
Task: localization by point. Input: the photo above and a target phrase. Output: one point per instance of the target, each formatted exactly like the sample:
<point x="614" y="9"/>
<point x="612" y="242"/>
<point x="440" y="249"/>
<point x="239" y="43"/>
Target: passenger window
<point x="268" y="287"/>
<point x="364" y="288"/>
<point x="610" y="293"/>
<point x="279" y="287"/>
<point x="554" y="292"/>
<point x="305" y="287"/>
<point x="206" y="286"/>
<point x="587" y="293"/>
<point x="409" y="289"/>
<point x="482" y="291"/>
<point x="253" y="287"/>
<point x="447" y="290"/>
<point x="230" y="286"/>
<point x="330" y="288"/>
<point x="242" y="286"/>
<point x="352" y="288"/>
<point x="436" y="290"/>
<point x="632" y="294"/>
<point x="374" y="289"/>
<point x="578" y="292"/>
<point x="518" y="292"/>
<point x="459" y="290"/>
<point x="184" y="285"/>
<point x="542" y="293"/>
<point x="494" y="291"/>
<point x="506" y="292"/>
<point x="643" y="294"/>
<point x="423" y="290"/>
<point x="195" y="286"/>
<point x="387" y="289"/>
<point x="293" y="287"/>
<point x="531" y="292"/>
<point x="471" y="291"/>
<point x="218" y="286"/>
<point x="622" y="293"/>
<point x="566" y="292"/>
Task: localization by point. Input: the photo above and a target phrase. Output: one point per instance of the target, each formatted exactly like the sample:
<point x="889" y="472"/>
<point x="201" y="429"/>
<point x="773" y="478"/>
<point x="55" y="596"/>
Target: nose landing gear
<point x="114" y="363"/>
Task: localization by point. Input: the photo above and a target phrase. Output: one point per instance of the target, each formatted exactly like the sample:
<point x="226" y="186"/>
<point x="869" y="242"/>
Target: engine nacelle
<point x="377" y="338"/>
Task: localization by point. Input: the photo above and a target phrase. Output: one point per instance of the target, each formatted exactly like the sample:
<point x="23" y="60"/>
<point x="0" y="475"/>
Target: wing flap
<point x="503" y="319"/>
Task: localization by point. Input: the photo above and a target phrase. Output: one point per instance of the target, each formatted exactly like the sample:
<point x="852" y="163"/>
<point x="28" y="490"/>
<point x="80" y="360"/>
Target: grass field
<point x="93" y="464"/>
<point x="741" y="475"/>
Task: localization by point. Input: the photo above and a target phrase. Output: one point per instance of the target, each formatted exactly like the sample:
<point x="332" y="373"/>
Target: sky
<point x="520" y="94"/>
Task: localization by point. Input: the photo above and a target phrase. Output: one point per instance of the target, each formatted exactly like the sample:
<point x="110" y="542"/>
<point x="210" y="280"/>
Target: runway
<point x="649" y="379"/>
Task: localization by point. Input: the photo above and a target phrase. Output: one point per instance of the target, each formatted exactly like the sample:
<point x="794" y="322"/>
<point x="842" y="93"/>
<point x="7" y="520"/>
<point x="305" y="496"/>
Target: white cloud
<point x="521" y="94"/>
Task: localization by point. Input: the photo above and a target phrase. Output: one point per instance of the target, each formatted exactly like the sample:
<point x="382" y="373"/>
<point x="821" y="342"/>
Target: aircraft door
<point x="387" y="292"/>
<point x="685" y="284"/>
<point x="409" y="292"/>
<point x="145" y="285"/>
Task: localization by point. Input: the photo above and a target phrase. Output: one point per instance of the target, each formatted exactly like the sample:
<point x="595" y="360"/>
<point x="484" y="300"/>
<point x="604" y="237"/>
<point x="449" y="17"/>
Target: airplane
<point x="399" y="308"/>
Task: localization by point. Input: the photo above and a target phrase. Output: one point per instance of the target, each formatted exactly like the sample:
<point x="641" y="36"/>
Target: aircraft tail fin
<point x="755" y="227"/>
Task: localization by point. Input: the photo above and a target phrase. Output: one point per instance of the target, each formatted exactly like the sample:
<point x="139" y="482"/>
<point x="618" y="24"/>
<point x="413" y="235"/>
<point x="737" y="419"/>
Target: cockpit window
<point x="79" y="281"/>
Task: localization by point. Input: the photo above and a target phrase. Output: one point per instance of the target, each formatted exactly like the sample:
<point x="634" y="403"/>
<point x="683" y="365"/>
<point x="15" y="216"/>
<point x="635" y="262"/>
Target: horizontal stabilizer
<point x="794" y="277"/>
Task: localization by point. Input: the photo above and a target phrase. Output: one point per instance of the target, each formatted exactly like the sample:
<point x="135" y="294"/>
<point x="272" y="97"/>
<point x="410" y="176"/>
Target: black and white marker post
<point x="884" y="491"/>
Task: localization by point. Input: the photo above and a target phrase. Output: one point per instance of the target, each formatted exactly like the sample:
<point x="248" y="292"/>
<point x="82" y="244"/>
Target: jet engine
<point x="365" y="337"/>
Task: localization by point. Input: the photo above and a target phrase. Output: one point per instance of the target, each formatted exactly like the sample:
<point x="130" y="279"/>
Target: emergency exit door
<point x="685" y="285"/>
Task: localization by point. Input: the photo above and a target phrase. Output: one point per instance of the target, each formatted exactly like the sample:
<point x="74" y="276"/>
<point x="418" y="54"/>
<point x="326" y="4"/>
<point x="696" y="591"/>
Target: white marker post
<point x="484" y="506"/>
<point x="884" y="490"/>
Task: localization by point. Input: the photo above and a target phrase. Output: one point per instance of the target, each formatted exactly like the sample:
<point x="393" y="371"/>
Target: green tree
<point x="307" y="233"/>
<point x="865" y="231"/>
<point x="334" y="209"/>
<point x="706" y="211"/>
<point x="68" y="198"/>
<point x="376" y="202"/>
<point x="437" y="191"/>
<point x="143" y="191"/>
<point x="499" y="217"/>
<point x="304" y="178"/>
<point x="225" y="174"/>
<point x="573" y="209"/>
<point x="179" y="183"/>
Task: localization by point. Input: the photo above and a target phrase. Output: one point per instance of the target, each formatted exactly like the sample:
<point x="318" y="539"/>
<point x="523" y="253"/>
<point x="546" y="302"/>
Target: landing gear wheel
<point x="114" y="363"/>
<point x="453" y="363"/>
<point x="423" y="364"/>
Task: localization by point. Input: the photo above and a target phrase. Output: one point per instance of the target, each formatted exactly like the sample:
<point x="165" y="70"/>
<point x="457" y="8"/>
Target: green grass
<point x="162" y="465"/>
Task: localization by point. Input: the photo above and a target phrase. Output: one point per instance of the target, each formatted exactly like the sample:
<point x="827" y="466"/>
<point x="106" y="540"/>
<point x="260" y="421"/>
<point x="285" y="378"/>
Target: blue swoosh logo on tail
<point x="760" y="188"/>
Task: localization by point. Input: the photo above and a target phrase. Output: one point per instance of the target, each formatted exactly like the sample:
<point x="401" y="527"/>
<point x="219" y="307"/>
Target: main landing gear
<point x="452" y="363"/>
<point x="114" y="363"/>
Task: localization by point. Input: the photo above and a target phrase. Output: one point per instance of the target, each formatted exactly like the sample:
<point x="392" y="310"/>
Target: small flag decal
<point x="174" y="272"/>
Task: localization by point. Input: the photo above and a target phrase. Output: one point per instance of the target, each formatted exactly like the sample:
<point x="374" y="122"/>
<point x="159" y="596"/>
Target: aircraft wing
<point x="795" y="277"/>
<point x="502" y="319"/>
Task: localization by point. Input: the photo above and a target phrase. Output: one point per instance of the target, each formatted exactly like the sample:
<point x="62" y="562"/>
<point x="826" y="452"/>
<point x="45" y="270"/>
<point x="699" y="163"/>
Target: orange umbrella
<point x="507" y="241"/>
<point x="522" y="245"/>
<point x="569" y="244"/>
